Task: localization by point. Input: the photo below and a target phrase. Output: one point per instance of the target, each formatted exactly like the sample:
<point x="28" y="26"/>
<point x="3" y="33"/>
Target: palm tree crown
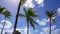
<point x="6" y="13"/>
<point x="51" y="15"/>
<point x="29" y="14"/>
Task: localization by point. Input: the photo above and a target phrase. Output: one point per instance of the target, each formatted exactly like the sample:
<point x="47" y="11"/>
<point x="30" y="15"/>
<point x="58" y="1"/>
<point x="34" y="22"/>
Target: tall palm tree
<point x="16" y="20"/>
<point x="29" y="14"/>
<point x="50" y="15"/>
<point x="7" y="14"/>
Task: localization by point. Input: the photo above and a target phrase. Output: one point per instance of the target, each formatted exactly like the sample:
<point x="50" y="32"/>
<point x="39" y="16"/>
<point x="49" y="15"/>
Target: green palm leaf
<point x="31" y="19"/>
<point x="31" y="13"/>
<point x="22" y="2"/>
<point x="32" y="25"/>
<point x="1" y="9"/>
<point x="6" y="14"/>
<point x="32" y="22"/>
<point x="47" y="13"/>
<point x="51" y="14"/>
<point x="24" y="9"/>
<point x="21" y="15"/>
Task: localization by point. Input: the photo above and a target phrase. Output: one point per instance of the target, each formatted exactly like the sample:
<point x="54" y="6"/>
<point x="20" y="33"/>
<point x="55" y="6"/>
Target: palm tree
<point x="16" y="20"/>
<point x="50" y="17"/>
<point x="7" y="14"/>
<point x="29" y="14"/>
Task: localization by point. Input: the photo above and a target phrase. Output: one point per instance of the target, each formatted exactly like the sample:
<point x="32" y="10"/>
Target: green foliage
<point x="22" y="2"/>
<point x="1" y="9"/>
<point x="21" y="15"/>
<point x="24" y="10"/>
<point x="6" y="14"/>
<point x="29" y="14"/>
<point x="32" y="22"/>
<point x="51" y="14"/>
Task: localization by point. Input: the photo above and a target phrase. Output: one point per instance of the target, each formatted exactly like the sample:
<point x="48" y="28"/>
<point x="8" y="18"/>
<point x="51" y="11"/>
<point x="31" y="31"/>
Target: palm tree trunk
<point x="15" y="25"/>
<point x="27" y="27"/>
<point x="3" y="26"/>
<point x="50" y="26"/>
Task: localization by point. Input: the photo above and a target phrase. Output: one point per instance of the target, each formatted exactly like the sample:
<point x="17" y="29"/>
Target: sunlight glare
<point x="13" y="1"/>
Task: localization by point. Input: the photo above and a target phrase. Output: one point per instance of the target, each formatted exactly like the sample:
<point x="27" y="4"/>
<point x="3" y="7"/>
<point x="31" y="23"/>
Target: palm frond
<point x="21" y="15"/>
<point x="48" y="13"/>
<point x="24" y="9"/>
<point x="33" y="21"/>
<point x="1" y="9"/>
<point x="32" y="24"/>
<point x="6" y="14"/>
<point x="53" y="21"/>
<point x="53" y="13"/>
<point x="31" y="13"/>
<point x="22" y="2"/>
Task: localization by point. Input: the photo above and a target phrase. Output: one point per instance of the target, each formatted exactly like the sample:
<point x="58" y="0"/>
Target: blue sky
<point x="40" y="6"/>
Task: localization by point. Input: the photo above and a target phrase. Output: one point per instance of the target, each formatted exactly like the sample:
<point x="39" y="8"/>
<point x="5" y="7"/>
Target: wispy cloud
<point x="40" y="2"/>
<point x="42" y="22"/>
<point x="57" y="31"/>
<point x="45" y="30"/>
<point x="3" y="31"/>
<point x="22" y="30"/>
<point x="58" y="11"/>
<point x="7" y="24"/>
<point x="29" y="3"/>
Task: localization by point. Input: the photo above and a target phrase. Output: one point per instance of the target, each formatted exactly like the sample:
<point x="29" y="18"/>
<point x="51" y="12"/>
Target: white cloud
<point x="43" y="22"/>
<point x="57" y="31"/>
<point x="58" y="11"/>
<point x="29" y="3"/>
<point x="40" y="2"/>
<point x="22" y="30"/>
<point x="7" y="24"/>
<point x="46" y="30"/>
<point x="3" y="31"/>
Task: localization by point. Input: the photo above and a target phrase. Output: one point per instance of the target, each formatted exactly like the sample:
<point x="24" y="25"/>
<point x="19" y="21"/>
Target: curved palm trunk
<point x="15" y="25"/>
<point x="3" y="26"/>
<point x="27" y="27"/>
<point x="50" y="27"/>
